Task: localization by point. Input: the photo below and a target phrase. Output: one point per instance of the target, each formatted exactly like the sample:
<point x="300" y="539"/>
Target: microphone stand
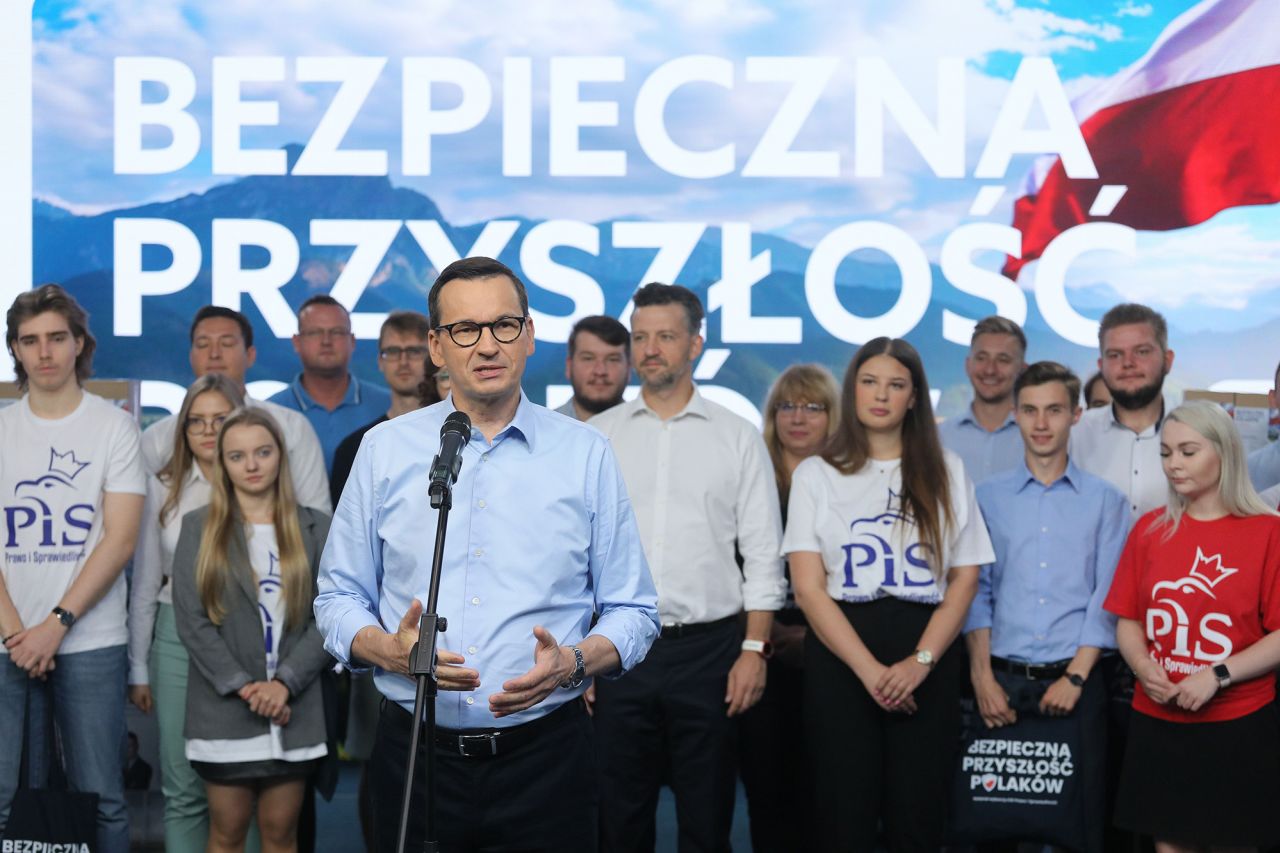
<point x="422" y="666"/>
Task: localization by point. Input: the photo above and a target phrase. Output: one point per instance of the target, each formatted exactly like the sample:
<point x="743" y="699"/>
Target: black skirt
<point x="1203" y="784"/>
<point x="244" y="772"/>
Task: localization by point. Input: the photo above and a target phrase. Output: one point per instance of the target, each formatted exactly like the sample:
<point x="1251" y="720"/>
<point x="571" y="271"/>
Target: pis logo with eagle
<point x="31" y="509"/>
<point x="1169" y="625"/>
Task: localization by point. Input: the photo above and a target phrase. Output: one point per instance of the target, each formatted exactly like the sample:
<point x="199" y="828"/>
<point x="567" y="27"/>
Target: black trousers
<point x="773" y="764"/>
<point x="541" y="796"/>
<point x="665" y="720"/>
<point x="874" y="767"/>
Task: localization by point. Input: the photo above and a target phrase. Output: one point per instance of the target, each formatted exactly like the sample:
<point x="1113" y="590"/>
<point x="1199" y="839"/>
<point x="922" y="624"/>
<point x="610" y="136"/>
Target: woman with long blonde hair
<point x="884" y="537"/>
<point x="157" y="658"/>
<point x="244" y="583"/>
<point x="1197" y="593"/>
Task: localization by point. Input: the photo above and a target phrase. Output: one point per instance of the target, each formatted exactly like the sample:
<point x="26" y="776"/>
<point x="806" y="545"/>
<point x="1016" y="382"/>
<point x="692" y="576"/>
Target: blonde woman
<point x="157" y="658"/>
<point x="802" y="412"/>
<point x="1197" y="593"/>
<point x="244" y="583"/>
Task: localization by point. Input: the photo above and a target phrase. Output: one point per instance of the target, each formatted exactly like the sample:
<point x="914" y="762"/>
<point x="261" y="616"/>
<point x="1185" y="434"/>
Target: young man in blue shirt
<point x="1037" y="628"/>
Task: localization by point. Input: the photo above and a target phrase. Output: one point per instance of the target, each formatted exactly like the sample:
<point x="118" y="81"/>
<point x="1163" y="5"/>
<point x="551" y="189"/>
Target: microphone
<point x="454" y="435"/>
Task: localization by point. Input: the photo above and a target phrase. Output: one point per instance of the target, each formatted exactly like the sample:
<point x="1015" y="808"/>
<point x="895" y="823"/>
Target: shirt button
<point x="1041" y="601"/>
<point x="1044" y="565"/>
<point x="484" y="457"/>
<point x="480" y="503"/>
<point x="479" y="552"/>
<point x="471" y="650"/>
<point x="475" y="600"/>
<point x="471" y="700"/>
<point x="1044" y="530"/>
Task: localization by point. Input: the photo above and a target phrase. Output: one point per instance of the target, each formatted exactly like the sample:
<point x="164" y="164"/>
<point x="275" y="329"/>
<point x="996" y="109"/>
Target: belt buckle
<point x="1027" y="671"/>
<point x="465" y="740"/>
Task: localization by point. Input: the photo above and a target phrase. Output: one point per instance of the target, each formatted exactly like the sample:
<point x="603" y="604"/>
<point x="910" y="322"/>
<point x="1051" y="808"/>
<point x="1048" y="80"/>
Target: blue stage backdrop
<point x="819" y="173"/>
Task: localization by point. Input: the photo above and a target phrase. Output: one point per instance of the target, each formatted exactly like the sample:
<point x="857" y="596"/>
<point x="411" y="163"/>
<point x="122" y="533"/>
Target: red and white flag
<point x="1191" y="128"/>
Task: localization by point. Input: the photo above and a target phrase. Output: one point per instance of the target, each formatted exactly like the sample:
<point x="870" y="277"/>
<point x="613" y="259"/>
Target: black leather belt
<point x="675" y="632"/>
<point x="489" y="743"/>
<point x="1032" y="671"/>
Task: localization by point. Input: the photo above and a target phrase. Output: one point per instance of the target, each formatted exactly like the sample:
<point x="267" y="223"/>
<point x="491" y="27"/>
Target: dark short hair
<point x="1277" y="375"/>
<point x="209" y="311"/>
<point x="655" y="293"/>
<point x="51" y="297"/>
<point x="1044" y="372"/>
<point x="322" y="299"/>
<point x="605" y="328"/>
<point x="406" y="323"/>
<point x="471" y="269"/>
<point x="1130" y="313"/>
<point x="1089" y="385"/>
<point x="997" y="325"/>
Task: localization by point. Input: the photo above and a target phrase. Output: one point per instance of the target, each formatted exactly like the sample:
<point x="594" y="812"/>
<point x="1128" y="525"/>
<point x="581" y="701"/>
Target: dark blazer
<point x="226" y="657"/>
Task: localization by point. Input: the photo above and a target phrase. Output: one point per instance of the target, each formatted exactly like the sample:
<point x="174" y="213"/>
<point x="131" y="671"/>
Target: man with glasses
<point x="542" y="539"/>
<point x="597" y="366"/>
<point x="222" y="342"/>
<point x="334" y="400"/>
<point x="402" y="354"/>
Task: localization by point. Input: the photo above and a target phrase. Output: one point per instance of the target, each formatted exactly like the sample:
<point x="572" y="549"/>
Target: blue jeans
<point x="87" y="690"/>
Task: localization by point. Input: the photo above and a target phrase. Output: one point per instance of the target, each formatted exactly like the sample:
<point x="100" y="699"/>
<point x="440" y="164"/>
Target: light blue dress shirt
<point x="1057" y="547"/>
<point x="541" y="533"/>
<point x="364" y="402"/>
<point x="1264" y="466"/>
<point x="983" y="453"/>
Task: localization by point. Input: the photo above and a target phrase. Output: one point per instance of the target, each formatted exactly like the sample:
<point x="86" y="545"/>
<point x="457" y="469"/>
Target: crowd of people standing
<point x="662" y="596"/>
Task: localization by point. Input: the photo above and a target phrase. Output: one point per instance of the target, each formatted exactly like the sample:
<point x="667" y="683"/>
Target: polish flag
<point x="1190" y="129"/>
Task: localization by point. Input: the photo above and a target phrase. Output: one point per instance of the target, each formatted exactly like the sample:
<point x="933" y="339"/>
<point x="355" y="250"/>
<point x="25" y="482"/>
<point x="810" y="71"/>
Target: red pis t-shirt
<point x="1203" y="594"/>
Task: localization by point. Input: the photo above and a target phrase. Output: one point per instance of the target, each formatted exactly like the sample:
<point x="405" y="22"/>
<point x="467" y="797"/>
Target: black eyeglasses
<point x="787" y="407"/>
<point x="466" y="333"/>
<point x="397" y="353"/>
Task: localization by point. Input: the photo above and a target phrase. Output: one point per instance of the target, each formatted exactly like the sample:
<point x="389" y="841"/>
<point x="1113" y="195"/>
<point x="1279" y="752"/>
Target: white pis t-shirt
<point x="869" y="549"/>
<point x="264" y="557"/>
<point x="53" y="475"/>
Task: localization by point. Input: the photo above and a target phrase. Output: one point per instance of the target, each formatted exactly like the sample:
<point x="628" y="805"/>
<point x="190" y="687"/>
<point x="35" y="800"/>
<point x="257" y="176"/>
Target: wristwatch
<point x="579" y="673"/>
<point x="764" y="648"/>
<point x="924" y="657"/>
<point x="1223" y="675"/>
<point x="1075" y="678"/>
<point x="66" y="617"/>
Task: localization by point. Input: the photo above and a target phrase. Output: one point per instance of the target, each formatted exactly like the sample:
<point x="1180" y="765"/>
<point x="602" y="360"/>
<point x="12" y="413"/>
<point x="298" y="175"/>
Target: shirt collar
<point x="969" y="418"/>
<point x="523" y="425"/>
<point x="1114" y="422"/>
<point x="351" y="398"/>
<point x="1071" y="476"/>
<point x="696" y="407"/>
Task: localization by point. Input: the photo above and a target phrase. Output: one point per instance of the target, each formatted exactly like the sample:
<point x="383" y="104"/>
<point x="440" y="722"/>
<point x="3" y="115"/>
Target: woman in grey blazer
<point x="244" y="582"/>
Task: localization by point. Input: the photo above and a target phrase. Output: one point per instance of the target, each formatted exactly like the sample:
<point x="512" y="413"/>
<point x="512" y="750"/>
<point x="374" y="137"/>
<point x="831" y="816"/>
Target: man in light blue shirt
<point x="1264" y="463"/>
<point x="332" y="398"/>
<point x="542" y="538"/>
<point x="985" y="435"/>
<point x="1036" y="628"/>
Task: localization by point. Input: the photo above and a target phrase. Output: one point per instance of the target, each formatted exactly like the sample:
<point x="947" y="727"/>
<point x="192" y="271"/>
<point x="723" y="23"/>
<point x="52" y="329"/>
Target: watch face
<point x="924" y="656"/>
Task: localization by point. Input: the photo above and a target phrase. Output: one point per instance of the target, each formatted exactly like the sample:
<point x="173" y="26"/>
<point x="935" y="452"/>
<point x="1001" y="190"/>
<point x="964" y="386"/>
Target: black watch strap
<point x="66" y="617"/>
<point x="1076" y="679"/>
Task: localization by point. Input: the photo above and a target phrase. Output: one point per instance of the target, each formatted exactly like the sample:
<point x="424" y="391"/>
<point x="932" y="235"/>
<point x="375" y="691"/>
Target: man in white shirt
<point x="222" y="342"/>
<point x="597" y="366"/>
<point x="1264" y="463"/>
<point x="1121" y="443"/>
<point x="73" y="488"/>
<point x="700" y="482"/>
<point x="986" y="436"/>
